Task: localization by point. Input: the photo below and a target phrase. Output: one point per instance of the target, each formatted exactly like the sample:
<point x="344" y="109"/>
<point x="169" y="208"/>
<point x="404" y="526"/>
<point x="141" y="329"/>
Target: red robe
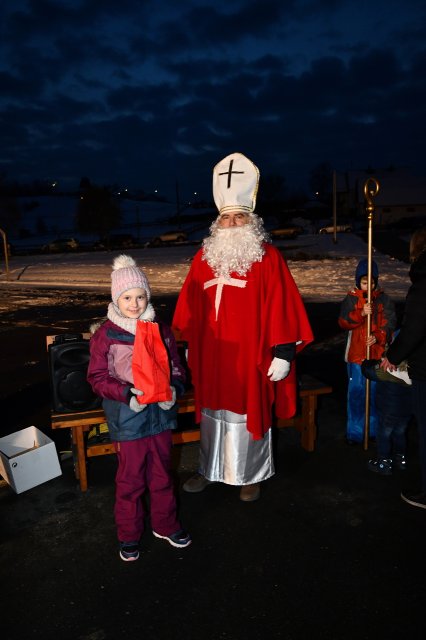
<point x="229" y="355"/>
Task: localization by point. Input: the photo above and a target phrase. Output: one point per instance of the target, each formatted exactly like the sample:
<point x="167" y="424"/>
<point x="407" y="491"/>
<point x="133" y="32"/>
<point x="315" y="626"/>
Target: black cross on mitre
<point x="229" y="173"/>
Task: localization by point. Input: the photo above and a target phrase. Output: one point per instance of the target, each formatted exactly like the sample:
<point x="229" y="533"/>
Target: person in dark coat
<point x="394" y="411"/>
<point x="410" y="345"/>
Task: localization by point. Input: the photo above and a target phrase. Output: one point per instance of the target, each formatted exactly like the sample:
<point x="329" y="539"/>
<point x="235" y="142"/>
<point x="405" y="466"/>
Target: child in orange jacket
<point x="353" y="318"/>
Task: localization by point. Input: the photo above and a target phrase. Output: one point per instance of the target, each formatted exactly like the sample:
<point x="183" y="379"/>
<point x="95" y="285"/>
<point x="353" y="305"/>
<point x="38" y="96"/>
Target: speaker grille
<point x="68" y="365"/>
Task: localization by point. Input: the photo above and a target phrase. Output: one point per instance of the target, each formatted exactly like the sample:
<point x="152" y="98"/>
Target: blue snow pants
<point x="356" y="405"/>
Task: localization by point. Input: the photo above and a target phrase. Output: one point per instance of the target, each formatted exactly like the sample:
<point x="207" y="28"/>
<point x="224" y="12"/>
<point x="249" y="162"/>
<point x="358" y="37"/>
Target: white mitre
<point x="235" y="184"/>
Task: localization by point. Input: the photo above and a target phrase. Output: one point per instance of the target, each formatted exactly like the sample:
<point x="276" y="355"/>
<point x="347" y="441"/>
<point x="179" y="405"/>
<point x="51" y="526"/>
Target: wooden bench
<point x="79" y="423"/>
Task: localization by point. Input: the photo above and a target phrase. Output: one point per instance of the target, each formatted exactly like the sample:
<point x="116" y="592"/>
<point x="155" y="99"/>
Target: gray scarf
<point x="129" y="324"/>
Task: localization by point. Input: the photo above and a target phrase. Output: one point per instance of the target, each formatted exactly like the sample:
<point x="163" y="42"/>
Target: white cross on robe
<point x="220" y="282"/>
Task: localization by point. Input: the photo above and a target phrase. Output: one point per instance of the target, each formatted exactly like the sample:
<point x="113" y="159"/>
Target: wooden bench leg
<point x="78" y="439"/>
<point x="309" y="427"/>
<point x="74" y="453"/>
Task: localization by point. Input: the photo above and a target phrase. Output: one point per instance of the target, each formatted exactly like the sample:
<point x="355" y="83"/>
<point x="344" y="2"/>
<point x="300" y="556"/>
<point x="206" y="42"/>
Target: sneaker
<point x="179" y="539"/>
<point x="249" y="492"/>
<point x="196" y="484"/>
<point x="381" y="465"/>
<point x="418" y="500"/>
<point x="129" y="551"/>
<point x="399" y="461"/>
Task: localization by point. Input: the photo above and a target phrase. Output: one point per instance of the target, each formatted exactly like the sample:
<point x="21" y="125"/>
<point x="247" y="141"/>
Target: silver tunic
<point x="228" y="452"/>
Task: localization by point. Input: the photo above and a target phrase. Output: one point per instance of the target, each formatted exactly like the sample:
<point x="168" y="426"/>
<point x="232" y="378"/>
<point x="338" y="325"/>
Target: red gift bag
<point x="150" y="364"/>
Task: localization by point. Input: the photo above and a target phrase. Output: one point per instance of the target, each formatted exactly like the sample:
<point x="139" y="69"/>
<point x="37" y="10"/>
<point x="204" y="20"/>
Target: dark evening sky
<point x="146" y="93"/>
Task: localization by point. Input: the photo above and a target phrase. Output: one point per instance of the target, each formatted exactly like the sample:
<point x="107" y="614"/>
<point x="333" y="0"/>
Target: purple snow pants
<point x="144" y="464"/>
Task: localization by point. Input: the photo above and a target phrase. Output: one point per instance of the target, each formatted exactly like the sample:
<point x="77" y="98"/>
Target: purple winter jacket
<point x="110" y="375"/>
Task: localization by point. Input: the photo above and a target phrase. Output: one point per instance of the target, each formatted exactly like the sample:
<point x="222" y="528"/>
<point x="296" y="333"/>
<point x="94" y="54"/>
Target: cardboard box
<point x="28" y="458"/>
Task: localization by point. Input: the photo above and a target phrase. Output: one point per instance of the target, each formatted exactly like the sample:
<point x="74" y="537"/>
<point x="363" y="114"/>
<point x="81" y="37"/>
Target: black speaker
<point x="68" y="362"/>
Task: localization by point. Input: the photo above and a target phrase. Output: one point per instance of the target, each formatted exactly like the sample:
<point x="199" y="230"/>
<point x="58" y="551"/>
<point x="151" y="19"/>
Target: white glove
<point x="278" y="370"/>
<point x="134" y="404"/>
<point x="168" y="404"/>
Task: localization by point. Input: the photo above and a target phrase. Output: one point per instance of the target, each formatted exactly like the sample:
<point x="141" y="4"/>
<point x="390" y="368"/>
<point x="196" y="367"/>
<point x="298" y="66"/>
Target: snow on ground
<point x="326" y="278"/>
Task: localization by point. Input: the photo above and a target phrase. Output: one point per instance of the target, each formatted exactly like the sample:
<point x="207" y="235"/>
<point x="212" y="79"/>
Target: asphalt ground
<point x="329" y="551"/>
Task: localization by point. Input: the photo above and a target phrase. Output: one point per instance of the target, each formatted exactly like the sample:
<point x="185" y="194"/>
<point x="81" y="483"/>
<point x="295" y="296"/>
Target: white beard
<point x="234" y="249"/>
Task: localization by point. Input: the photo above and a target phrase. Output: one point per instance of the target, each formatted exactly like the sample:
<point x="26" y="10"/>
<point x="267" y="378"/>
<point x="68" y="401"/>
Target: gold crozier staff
<point x="371" y="189"/>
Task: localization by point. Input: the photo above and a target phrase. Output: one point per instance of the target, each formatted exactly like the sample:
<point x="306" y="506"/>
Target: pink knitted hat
<point x="126" y="275"/>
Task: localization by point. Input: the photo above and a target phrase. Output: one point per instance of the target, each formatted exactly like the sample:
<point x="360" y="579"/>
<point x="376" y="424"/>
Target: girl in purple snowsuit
<point x="140" y="432"/>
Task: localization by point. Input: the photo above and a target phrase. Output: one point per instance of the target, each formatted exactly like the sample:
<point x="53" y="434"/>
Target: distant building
<point x="401" y="195"/>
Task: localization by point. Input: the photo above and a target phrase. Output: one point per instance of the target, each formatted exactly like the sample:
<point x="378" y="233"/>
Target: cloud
<point x="133" y="94"/>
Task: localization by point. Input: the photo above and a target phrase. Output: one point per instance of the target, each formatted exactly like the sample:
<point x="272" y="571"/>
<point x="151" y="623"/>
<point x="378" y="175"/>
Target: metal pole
<point x="138" y="223"/>
<point x="334" y="209"/>
<point x="177" y="205"/>
<point x="371" y="189"/>
<point x="6" y="253"/>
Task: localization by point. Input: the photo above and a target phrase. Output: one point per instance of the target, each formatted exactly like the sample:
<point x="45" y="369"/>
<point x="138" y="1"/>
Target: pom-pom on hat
<point x="127" y="275"/>
<point x="235" y="184"/>
<point x="362" y="270"/>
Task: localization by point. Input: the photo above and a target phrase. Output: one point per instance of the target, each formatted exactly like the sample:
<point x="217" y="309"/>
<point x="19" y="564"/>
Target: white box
<point x="28" y="458"/>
